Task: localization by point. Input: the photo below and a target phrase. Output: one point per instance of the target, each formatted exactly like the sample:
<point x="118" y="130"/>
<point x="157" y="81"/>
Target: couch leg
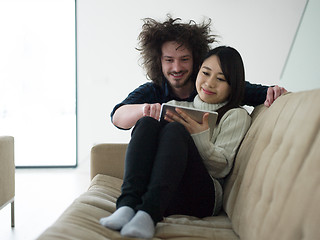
<point x="12" y="214"/>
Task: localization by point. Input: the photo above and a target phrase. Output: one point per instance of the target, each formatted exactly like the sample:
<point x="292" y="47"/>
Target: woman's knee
<point x="146" y="123"/>
<point x="176" y="127"/>
<point x="176" y="132"/>
<point x="146" y="119"/>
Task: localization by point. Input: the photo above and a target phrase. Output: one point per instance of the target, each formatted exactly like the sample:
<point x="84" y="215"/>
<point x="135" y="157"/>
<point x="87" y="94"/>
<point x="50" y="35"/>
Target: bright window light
<point x="38" y="80"/>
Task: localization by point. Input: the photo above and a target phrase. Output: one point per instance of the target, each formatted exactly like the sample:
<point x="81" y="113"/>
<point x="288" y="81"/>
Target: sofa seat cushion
<point x="81" y="219"/>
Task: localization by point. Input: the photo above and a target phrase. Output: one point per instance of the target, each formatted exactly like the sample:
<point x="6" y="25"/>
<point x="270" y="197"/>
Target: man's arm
<point x="126" y="116"/>
<point x="256" y="94"/>
<point x="143" y="101"/>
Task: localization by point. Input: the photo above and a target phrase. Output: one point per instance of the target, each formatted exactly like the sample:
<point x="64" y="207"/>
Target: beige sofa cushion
<point x="81" y="219"/>
<point x="273" y="191"/>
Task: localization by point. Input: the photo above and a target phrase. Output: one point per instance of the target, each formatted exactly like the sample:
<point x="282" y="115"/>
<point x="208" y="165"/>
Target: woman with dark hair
<point x="178" y="166"/>
<point x="232" y="67"/>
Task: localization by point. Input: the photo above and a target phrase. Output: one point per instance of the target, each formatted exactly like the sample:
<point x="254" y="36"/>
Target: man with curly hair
<point x="172" y="53"/>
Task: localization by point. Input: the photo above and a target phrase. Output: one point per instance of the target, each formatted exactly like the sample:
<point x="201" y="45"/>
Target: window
<point x="38" y="80"/>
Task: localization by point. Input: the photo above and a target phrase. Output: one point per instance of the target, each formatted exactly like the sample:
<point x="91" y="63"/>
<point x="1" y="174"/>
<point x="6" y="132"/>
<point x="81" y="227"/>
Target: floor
<point x="41" y="196"/>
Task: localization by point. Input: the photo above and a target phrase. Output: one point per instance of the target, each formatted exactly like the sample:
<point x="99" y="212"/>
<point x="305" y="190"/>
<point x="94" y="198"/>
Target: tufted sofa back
<point x="273" y="191"/>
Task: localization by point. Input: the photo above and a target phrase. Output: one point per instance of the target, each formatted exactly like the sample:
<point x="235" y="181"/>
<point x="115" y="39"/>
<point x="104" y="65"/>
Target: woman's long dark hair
<point x="233" y="69"/>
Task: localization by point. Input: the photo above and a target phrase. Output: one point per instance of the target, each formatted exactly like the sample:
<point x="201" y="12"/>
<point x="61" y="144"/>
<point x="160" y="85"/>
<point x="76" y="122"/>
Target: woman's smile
<point x="207" y="92"/>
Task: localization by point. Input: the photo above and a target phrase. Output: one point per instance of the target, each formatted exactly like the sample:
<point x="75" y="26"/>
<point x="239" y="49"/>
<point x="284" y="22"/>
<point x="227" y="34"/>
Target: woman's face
<point x="211" y="83"/>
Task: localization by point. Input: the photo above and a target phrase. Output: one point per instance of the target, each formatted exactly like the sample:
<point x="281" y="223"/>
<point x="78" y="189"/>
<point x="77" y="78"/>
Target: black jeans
<point x="164" y="172"/>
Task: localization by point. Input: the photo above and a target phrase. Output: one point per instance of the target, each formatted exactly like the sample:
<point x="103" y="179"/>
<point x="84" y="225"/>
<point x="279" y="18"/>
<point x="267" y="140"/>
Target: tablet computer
<point x="195" y="114"/>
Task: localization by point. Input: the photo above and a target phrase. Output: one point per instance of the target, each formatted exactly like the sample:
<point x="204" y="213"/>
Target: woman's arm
<point x="218" y="152"/>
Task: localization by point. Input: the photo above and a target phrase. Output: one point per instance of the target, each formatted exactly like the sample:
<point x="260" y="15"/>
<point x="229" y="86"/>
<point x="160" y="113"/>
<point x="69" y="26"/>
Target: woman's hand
<point x="191" y="125"/>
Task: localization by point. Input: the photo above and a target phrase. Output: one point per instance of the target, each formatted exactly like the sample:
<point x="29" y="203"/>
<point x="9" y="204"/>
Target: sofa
<point x="272" y="192"/>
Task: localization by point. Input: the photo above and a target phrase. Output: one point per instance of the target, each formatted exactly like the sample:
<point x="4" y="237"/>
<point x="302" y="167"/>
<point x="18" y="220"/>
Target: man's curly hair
<point x="195" y="37"/>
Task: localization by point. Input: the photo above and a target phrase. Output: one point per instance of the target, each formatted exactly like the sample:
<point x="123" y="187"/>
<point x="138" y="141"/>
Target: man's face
<point x="177" y="64"/>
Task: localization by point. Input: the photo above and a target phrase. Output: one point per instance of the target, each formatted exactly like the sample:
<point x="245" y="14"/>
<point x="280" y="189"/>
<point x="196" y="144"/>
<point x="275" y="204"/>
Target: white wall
<point x="107" y="60"/>
<point x="302" y="71"/>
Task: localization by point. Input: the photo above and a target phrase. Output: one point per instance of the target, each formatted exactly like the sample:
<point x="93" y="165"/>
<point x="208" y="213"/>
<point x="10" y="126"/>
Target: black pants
<point x="164" y="173"/>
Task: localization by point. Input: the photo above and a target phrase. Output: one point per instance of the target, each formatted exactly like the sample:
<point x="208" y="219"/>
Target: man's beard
<point x="180" y="83"/>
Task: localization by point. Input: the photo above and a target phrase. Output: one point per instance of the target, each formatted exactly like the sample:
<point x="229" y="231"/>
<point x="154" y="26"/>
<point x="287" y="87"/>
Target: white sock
<point x="118" y="219"/>
<point x="140" y="226"/>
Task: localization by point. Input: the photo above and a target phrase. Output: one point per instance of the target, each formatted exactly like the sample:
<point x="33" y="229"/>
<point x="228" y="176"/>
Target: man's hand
<point x="273" y="93"/>
<point x="151" y="110"/>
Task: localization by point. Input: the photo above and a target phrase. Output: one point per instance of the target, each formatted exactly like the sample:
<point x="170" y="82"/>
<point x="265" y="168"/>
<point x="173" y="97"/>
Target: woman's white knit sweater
<point x="218" y="150"/>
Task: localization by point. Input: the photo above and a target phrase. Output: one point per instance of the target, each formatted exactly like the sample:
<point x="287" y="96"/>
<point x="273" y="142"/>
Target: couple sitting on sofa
<point x="177" y="166"/>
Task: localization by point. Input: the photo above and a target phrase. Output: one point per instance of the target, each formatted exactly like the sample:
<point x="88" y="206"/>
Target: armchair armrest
<point x="108" y="159"/>
<point x="7" y="170"/>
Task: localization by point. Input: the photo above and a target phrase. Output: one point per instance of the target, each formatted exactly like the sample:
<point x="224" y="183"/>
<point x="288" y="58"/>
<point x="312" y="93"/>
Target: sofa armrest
<point x="7" y="170"/>
<point x="108" y="159"/>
